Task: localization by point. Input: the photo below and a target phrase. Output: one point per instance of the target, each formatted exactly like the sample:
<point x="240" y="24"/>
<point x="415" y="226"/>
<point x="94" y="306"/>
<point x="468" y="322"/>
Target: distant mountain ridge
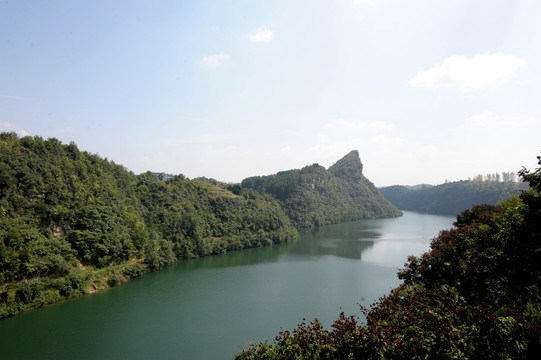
<point x="314" y="196"/>
<point x="450" y="198"/>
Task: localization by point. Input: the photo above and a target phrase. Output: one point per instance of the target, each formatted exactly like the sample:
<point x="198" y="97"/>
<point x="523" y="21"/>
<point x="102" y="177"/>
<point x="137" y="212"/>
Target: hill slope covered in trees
<point x="450" y="198"/>
<point x="73" y="223"/>
<point x="315" y="196"/>
<point x="475" y="295"/>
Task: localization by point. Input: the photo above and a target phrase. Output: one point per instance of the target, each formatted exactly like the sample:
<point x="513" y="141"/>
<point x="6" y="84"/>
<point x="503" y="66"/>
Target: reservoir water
<point x="211" y="308"/>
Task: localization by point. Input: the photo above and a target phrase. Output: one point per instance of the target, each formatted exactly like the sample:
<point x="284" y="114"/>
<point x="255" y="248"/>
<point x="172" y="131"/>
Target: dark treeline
<point x="475" y="295"/>
<point x="314" y="196"/>
<point x="73" y="223"/>
<point x="453" y="197"/>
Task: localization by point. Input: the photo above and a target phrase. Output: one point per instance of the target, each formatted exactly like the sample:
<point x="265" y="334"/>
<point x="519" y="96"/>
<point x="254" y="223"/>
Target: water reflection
<point x="347" y="240"/>
<point x="393" y="253"/>
<point x="238" y="258"/>
<point x="385" y="242"/>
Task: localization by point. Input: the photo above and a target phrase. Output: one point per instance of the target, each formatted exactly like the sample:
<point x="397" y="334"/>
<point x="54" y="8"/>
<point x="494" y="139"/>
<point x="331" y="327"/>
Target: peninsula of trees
<point x="72" y="223"/>
<point x="314" y="196"/>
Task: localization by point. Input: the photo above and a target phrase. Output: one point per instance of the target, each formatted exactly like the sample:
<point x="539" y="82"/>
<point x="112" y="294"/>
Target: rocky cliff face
<point x="349" y="167"/>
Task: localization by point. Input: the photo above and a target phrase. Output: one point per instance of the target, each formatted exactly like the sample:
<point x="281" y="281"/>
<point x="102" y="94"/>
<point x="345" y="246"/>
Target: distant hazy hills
<point x="315" y="196"/>
<point x="450" y="198"/>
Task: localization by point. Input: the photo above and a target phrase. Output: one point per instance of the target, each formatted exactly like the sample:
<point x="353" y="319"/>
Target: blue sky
<point x="427" y="91"/>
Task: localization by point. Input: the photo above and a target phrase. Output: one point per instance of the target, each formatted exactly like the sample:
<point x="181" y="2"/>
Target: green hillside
<point x="72" y="223"/>
<point x="450" y="198"/>
<point x="314" y="196"/>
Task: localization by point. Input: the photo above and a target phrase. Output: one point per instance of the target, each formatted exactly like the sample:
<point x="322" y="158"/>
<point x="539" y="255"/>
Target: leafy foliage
<point x="475" y="295"/>
<point x="73" y="223"/>
<point x="198" y="218"/>
<point x="315" y="196"/>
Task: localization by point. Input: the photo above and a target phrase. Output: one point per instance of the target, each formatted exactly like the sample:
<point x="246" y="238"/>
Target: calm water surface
<point x="211" y="308"/>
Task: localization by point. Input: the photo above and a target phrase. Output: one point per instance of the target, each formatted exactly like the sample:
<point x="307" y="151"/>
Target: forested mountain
<point x="73" y="223"/>
<point x="450" y="198"/>
<point x="475" y="295"/>
<point x="315" y="196"/>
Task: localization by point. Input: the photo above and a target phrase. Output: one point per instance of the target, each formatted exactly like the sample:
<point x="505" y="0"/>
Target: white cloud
<point x="6" y="126"/>
<point x="261" y="35"/>
<point x="518" y="122"/>
<point x="488" y="118"/>
<point x="484" y="119"/>
<point x="480" y="71"/>
<point x="9" y="127"/>
<point x="381" y="125"/>
<point x="214" y="60"/>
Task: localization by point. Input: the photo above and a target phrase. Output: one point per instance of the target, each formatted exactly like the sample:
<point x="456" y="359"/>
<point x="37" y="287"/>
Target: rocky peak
<point x="349" y="167"/>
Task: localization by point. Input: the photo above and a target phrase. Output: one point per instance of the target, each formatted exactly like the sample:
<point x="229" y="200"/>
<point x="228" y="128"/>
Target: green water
<point x="211" y="308"/>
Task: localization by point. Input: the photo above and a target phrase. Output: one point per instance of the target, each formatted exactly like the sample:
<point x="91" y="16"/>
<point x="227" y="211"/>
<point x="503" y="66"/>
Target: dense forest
<point x="314" y="196"/>
<point x="72" y="223"/>
<point x="475" y="295"/>
<point x="452" y="198"/>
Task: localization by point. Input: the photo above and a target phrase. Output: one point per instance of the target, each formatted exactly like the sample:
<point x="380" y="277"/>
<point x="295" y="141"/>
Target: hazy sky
<point x="425" y="90"/>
